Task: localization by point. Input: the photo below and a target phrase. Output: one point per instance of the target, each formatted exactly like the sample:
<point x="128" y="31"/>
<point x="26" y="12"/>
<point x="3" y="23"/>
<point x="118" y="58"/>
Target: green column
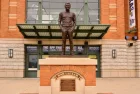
<point x="86" y="12"/>
<point x="40" y="11"/>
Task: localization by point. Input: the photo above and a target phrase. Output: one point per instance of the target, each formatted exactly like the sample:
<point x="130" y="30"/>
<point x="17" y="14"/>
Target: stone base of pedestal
<point x="67" y="75"/>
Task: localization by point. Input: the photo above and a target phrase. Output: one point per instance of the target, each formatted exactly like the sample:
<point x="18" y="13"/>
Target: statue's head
<point x="67" y="6"/>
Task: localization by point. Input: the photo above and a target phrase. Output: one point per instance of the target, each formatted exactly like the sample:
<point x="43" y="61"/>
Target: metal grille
<point x="99" y="27"/>
<point x="44" y="34"/>
<point x="55" y="27"/>
<point x="30" y="34"/>
<point x="27" y="27"/>
<point x="82" y="34"/>
<point x="56" y="34"/>
<point x="95" y="34"/>
<point x="85" y="27"/>
<point x="41" y="27"/>
<point x="43" y="31"/>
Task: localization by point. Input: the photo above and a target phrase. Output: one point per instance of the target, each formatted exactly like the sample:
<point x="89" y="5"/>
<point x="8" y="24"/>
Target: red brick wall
<point x="126" y="9"/>
<point x="112" y="12"/>
<point x="138" y="18"/>
<point x="0" y="18"/>
<point x="12" y="12"/>
<point x="109" y="15"/>
<point x="88" y="72"/>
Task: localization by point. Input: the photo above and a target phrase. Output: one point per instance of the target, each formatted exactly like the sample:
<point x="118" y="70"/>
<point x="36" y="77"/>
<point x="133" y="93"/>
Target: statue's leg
<point x="64" y="36"/>
<point x="70" y="36"/>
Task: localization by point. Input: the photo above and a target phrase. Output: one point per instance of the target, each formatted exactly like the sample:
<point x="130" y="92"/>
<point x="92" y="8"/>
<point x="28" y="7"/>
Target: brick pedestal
<point x="52" y="70"/>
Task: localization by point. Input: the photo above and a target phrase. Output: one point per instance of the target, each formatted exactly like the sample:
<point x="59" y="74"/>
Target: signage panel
<point x="132" y="17"/>
<point x="67" y="85"/>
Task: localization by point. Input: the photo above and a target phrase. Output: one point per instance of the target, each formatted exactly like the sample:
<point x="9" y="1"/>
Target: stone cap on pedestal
<point x="67" y="61"/>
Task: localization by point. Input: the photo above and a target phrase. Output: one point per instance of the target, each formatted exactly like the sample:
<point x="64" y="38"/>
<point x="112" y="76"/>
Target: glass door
<point x="31" y="64"/>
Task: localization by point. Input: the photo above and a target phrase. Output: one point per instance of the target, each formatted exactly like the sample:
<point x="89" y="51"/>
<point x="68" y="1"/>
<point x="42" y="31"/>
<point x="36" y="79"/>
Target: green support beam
<point x="76" y="32"/>
<point x="35" y="30"/>
<point x="40" y="11"/>
<point x="86" y="12"/>
<point x="89" y="33"/>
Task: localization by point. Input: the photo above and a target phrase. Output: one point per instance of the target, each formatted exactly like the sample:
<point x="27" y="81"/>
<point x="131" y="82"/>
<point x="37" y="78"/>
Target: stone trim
<point x="67" y="61"/>
<point x="113" y="5"/>
<point x="14" y="4"/>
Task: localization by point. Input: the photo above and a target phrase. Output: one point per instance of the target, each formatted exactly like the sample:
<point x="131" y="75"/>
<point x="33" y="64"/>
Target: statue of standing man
<point x="67" y="22"/>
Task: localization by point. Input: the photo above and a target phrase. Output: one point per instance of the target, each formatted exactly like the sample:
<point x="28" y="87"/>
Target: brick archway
<point x="47" y="72"/>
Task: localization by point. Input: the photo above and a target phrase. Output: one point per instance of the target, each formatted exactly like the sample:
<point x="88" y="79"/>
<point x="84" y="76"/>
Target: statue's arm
<point x="59" y="20"/>
<point x="74" y="20"/>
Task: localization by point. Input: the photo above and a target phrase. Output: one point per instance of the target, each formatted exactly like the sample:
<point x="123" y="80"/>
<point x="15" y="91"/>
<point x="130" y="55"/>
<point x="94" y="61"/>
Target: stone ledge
<point x="118" y="53"/>
<point x="110" y="57"/>
<point x="114" y="60"/>
<point x="15" y="52"/>
<point x="12" y="60"/>
<point x="67" y="61"/>
<point x="104" y="93"/>
<point x="109" y="49"/>
<point x="29" y="93"/>
<point x="119" y="73"/>
<point x="12" y="73"/>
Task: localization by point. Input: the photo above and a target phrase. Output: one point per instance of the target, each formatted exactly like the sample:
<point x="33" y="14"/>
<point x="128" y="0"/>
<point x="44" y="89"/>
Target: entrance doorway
<point x="36" y="52"/>
<point x="31" y="63"/>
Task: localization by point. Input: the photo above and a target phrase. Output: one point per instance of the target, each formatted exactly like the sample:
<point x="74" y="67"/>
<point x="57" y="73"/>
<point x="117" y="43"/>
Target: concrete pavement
<point x="104" y="85"/>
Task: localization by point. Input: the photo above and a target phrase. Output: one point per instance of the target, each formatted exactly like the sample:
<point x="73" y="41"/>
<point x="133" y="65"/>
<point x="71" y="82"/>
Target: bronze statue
<point x="67" y="22"/>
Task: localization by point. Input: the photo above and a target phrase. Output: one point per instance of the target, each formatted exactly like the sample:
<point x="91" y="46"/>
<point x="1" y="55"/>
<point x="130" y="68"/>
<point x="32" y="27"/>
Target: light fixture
<point x="134" y="38"/>
<point x="10" y="53"/>
<point x="126" y="37"/>
<point x="114" y="53"/>
<point x="39" y="42"/>
<point x="130" y="44"/>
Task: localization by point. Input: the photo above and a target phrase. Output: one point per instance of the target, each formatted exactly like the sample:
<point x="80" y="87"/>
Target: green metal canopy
<point x="52" y="31"/>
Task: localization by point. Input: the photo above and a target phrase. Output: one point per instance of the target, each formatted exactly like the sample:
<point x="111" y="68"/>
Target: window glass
<point x="80" y="49"/>
<point x="32" y="49"/>
<point x="59" y="48"/>
<point x="93" y="49"/>
<point x="52" y="8"/>
<point x="45" y="49"/>
<point x="33" y="59"/>
<point x="52" y="48"/>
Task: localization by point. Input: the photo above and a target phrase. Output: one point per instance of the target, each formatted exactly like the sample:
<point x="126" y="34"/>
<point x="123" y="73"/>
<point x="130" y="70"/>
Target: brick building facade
<point x="113" y="12"/>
